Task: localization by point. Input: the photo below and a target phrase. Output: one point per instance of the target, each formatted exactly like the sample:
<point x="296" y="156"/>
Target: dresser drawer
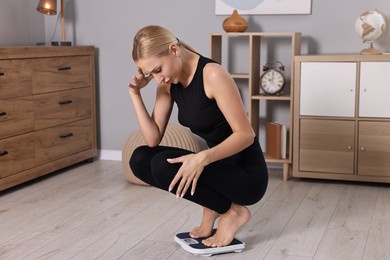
<point x="16" y="154"/>
<point x="61" y="73"/>
<point x="16" y="116"/>
<point x="61" y="107"/>
<point x="61" y="141"/>
<point x="15" y="78"/>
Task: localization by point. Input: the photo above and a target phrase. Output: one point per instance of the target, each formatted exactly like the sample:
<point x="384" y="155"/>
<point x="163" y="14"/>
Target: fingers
<point x="194" y="182"/>
<point x="173" y="182"/>
<point x="184" y="185"/>
<point x="141" y="80"/>
<point x="187" y="176"/>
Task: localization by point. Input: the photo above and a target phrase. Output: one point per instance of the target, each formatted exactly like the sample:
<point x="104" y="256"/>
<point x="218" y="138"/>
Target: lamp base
<point x="61" y="43"/>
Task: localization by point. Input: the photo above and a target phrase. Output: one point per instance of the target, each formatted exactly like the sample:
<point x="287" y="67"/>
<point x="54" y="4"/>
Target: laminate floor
<point x="91" y="212"/>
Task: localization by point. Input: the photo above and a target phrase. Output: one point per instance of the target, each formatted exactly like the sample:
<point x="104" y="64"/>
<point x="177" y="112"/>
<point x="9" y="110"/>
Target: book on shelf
<point x="276" y="140"/>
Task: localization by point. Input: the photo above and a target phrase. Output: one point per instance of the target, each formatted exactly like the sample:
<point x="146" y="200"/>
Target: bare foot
<point x="229" y="224"/>
<point x="207" y="225"/>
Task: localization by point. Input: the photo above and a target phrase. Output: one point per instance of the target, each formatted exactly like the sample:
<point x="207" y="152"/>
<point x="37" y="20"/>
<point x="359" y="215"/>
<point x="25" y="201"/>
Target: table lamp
<point x="50" y="7"/>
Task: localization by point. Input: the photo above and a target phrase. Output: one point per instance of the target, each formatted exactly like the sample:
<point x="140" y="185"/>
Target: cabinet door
<point x="60" y="73"/>
<point x="15" y="78"/>
<point x="374" y="89"/>
<point x="328" y="89"/>
<point x="16" y="154"/>
<point x="326" y="146"/>
<point x="61" y="107"/>
<point x="58" y="142"/>
<point x="374" y="149"/>
<point x="16" y="116"/>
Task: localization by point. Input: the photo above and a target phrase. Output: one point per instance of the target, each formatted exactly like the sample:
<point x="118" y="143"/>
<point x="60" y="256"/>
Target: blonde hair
<point x="154" y="41"/>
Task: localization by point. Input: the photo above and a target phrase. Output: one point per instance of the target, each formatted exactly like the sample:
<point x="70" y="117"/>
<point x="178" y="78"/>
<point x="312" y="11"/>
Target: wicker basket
<point x="175" y="136"/>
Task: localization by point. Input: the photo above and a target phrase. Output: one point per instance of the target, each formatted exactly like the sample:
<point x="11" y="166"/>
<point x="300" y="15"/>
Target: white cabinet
<point x="342" y="117"/>
<point x="328" y="88"/>
<point x="374" y="89"/>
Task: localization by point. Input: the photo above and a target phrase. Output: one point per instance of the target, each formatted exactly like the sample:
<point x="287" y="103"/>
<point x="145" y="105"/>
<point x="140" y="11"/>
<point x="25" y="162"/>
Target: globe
<point x="371" y="26"/>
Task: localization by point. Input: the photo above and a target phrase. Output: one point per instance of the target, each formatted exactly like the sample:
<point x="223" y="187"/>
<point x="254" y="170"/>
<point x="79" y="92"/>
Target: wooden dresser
<point x="47" y="110"/>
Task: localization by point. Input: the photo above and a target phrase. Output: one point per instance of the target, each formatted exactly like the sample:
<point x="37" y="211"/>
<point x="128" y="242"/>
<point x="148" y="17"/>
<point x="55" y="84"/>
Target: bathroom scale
<point x="196" y="247"/>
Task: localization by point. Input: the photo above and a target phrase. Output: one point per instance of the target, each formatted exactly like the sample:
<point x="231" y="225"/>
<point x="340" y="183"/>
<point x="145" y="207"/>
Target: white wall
<point x="111" y="25"/>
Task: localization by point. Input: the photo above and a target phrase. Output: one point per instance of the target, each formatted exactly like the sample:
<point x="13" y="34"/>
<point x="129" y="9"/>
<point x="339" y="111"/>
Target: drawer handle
<point x="3" y="113"/>
<point x="65" y="102"/>
<point x="63" y="136"/>
<point x="2" y="74"/>
<point x="3" y="153"/>
<point x="64" y="68"/>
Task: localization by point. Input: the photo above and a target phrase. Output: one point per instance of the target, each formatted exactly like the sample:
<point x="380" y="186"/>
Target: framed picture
<point x="226" y="7"/>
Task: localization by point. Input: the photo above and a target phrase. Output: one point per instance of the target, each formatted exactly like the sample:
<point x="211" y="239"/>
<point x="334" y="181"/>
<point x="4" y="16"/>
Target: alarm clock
<point x="272" y="80"/>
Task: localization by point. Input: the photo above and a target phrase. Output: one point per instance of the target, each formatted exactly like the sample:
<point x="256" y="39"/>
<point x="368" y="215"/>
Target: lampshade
<point x="50" y="7"/>
<point x="47" y="7"/>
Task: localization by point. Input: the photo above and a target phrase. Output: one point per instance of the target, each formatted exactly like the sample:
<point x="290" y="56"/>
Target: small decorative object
<point x="371" y="26"/>
<point x="272" y="81"/>
<point x="235" y="23"/>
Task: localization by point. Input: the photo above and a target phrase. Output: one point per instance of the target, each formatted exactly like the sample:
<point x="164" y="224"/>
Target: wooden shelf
<point x="264" y="97"/>
<point x="240" y="76"/>
<point x="255" y="44"/>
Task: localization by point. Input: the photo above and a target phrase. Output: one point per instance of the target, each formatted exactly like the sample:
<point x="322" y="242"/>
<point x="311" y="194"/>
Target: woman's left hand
<point x="188" y="173"/>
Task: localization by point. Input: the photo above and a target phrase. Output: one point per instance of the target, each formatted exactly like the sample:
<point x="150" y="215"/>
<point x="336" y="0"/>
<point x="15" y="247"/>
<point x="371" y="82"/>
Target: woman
<point x="228" y="175"/>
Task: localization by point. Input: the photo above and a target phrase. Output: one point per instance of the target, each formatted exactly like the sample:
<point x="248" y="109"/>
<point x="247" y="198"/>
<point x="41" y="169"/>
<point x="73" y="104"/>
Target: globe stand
<point x="371" y="50"/>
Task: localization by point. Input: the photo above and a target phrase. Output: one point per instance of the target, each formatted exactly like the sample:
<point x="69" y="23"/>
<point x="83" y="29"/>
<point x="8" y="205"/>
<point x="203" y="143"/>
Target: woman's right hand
<point x="139" y="81"/>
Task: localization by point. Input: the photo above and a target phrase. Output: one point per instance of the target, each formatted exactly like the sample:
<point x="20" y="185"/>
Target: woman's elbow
<point x="152" y="143"/>
<point x="250" y="138"/>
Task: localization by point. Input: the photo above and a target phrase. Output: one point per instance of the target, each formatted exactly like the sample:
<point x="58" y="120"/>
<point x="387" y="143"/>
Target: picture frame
<point x="263" y="7"/>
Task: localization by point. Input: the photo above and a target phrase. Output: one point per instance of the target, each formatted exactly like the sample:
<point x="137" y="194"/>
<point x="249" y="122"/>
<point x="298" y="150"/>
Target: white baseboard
<point x="110" y="155"/>
<point x="115" y="155"/>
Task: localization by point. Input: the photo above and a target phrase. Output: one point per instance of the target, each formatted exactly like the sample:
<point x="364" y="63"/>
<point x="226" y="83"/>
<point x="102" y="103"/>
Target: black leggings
<point x="242" y="178"/>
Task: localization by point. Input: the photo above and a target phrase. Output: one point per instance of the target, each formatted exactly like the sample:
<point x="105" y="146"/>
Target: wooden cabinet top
<point x="269" y="34"/>
<point x="22" y="52"/>
<point x="341" y="57"/>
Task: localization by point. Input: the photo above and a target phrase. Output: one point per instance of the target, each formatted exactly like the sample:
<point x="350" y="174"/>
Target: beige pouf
<point x="175" y="136"/>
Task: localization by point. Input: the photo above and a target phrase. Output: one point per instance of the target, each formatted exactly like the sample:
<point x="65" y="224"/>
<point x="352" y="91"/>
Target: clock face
<point x="272" y="81"/>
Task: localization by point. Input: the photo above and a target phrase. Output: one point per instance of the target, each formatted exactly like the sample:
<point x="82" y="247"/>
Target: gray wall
<point x="20" y="24"/>
<point x="111" y="25"/>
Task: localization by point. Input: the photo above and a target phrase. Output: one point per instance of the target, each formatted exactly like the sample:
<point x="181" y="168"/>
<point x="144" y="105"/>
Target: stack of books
<point x="276" y="140"/>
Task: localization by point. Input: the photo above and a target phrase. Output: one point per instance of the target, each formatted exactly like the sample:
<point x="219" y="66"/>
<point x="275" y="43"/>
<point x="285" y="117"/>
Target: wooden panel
<point x="24" y="52"/>
<point x="16" y="116"/>
<point x="15" y="78"/>
<point x="57" y="142"/>
<point x="326" y="146"/>
<point x="54" y="74"/>
<point x="61" y="107"/>
<point x="374" y="149"/>
<point x="16" y="154"/>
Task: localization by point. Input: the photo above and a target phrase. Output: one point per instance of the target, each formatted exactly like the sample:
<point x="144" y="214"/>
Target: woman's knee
<point x="163" y="172"/>
<point x="139" y="160"/>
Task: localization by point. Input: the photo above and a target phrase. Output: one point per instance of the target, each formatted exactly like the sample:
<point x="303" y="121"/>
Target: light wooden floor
<point x="91" y="212"/>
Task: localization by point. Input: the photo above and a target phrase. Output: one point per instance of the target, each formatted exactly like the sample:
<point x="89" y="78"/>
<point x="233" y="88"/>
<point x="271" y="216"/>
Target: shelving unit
<point x="343" y="117"/>
<point x="255" y="44"/>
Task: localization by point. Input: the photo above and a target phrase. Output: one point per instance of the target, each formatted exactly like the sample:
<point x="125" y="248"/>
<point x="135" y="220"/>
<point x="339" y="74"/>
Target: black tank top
<point x="199" y="113"/>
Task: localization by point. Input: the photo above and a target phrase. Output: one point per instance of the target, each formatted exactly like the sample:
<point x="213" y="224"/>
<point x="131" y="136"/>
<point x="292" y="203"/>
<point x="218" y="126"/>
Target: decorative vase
<point x="235" y="23"/>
